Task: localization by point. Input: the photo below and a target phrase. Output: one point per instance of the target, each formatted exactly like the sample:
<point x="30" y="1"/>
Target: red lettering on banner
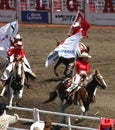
<point x="38" y="5"/>
<point x="108" y="7"/>
<point x="72" y="5"/>
<point x="4" y="4"/>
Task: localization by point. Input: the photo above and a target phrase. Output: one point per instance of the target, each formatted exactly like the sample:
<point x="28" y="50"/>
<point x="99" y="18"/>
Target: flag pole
<point x="73" y="22"/>
<point x="77" y="54"/>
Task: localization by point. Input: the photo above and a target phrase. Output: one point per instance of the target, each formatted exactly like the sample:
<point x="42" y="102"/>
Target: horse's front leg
<point x="81" y="105"/>
<point x="21" y="93"/>
<point x="55" y="67"/>
<point x="3" y="91"/>
<point x="11" y="97"/>
<point x="62" y="108"/>
<point x="66" y="69"/>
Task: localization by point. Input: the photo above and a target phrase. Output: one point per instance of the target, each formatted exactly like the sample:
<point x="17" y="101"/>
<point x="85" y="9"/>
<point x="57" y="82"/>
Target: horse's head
<point x="99" y="79"/>
<point x="19" y="68"/>
<point x="18" y="77"/>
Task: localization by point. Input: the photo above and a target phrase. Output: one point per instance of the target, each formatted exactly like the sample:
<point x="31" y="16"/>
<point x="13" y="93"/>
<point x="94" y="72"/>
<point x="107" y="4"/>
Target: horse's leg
<point x="21" y="93"/>
<point x="17" y="99"/>
<point x="61" y="110"/>
<point x="66" y="69"/>
<point x="3" y="91"/>
<point x="11" y="96"/>
<point x="55" y="67"/>
<point x="81" y="105"/>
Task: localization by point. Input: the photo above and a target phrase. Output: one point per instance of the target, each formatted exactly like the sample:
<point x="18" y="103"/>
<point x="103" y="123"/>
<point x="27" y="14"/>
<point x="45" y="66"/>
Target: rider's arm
<point x="10" y="52"/>
<point x="87" y="68"/>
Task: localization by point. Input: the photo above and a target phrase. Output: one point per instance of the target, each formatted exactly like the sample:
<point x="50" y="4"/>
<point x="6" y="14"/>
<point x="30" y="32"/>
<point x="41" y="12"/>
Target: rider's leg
<point x="75" y="83"/>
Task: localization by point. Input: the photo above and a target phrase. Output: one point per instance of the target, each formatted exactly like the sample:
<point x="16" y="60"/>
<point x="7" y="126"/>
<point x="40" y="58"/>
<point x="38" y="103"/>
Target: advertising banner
<point x="7" y="15"/>
<point x="35" y="16"/>
<point x="63" y="17"/>
<point x="102" y="18"/>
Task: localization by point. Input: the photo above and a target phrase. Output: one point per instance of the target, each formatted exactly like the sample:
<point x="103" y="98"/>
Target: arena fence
<point x="36" y="117"/>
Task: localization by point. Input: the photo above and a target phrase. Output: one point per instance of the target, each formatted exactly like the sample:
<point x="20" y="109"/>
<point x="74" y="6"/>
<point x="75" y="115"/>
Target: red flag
<point x="79" y="25"/>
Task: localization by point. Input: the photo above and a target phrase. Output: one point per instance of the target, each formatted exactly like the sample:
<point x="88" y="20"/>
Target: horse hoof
<point x="78" y="120"/>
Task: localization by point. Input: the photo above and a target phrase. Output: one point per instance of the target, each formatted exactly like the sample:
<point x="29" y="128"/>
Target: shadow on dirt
<point x="53" y="80"/>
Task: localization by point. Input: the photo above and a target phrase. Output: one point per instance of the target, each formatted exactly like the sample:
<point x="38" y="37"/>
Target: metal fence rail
<point x="68" y="116"/>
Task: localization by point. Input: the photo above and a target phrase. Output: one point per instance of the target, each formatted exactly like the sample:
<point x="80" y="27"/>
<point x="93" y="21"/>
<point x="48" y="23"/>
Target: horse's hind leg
<point x="55" y="67"/>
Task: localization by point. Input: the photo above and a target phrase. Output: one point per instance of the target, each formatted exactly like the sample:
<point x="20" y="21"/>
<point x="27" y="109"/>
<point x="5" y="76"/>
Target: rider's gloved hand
<point x="83" y="74"/>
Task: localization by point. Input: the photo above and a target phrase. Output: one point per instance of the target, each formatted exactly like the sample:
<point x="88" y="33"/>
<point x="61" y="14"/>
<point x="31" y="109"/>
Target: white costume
<point x="38" y="125"/>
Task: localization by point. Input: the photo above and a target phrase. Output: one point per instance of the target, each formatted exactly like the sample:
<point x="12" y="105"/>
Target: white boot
<point x="73" y="86"/>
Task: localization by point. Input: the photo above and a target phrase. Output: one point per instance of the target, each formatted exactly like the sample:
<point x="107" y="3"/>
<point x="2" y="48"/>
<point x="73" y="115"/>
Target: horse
<point x="82" y="98"/>
<point x="95" y="80"/>
<point x="76" y="97"/>
<point x="15" y="83"/>
<point x="68" y="61"/>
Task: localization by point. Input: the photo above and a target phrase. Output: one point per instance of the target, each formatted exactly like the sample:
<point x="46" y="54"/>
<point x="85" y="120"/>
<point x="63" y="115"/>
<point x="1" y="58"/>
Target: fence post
<point x="69" y="122"/>
<point x="36" y="115"/>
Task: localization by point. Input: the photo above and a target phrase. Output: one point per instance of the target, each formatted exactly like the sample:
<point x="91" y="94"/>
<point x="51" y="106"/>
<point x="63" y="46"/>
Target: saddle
<point x="75" y="92"/>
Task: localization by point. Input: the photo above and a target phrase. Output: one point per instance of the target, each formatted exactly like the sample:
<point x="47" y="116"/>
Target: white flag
<point x="7" y="32"/>
<point x="13" y="29"/>
<point x="52" y="57"/>
<point x="4" y="40"/>
<point x="67" y="50"/>
<point x="70" y="47"/>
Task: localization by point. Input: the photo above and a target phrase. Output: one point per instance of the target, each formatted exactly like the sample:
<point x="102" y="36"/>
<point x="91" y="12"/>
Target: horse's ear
<point x="96" y="71"/>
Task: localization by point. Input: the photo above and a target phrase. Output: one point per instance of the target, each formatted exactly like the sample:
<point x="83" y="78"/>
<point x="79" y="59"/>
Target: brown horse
<point x="76" y="97"/>
<point x="83" y="97"/>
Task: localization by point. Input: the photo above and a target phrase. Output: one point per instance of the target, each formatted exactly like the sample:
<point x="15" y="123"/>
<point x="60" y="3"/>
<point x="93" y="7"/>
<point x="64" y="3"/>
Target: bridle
<point x="100" y="80"/>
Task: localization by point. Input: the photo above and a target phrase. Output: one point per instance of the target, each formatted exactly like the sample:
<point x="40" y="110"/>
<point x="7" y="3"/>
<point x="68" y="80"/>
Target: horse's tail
<point x="52" y="96"/>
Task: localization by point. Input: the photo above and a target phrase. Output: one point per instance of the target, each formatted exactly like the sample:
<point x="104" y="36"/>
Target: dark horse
<point x="83" y="97"/>
<point x="68" y="61"/>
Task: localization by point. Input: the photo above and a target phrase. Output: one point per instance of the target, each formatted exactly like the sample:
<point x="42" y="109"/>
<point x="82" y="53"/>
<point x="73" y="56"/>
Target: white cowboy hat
<point x="76" y="24"/>
<point x="18" y="36"/>
<point x="84" y="54"/>
<point x="19" y="43"/>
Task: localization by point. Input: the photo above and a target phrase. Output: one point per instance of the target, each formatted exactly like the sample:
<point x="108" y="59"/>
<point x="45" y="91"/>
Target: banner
<point x="67" y="50"/>
<point x="13" y="29"/>
<point x="7" y="32"/>
<point x="52" y="57"/>
<point x="4" y="40"/>
<point x="70" y="47"/>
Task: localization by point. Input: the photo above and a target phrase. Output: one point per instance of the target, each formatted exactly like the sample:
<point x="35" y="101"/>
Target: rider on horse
<point x="18" y="54"/>
<point x="26" y="63"/>
<point x="82" y="67"/>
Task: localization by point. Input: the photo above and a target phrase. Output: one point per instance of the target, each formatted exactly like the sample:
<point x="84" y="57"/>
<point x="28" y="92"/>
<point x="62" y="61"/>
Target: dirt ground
<point x="39" y="41"/>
